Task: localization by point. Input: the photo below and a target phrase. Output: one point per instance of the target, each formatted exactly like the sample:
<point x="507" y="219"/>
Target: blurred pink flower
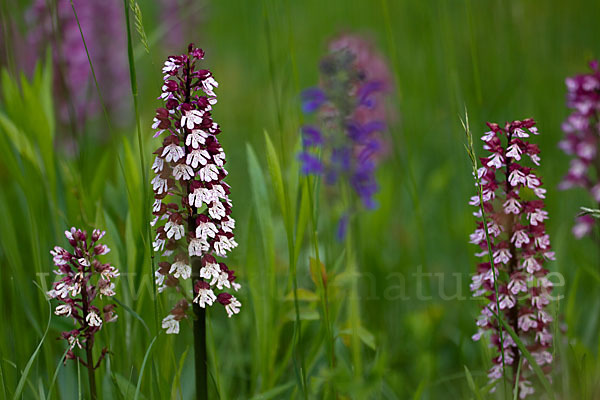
<point x="582" y="137"/>
<point x="102" y="23"/>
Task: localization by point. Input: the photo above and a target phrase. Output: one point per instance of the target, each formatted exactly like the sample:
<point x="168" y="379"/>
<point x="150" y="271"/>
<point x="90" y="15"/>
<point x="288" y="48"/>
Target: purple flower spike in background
<point x="514" y="210"/>
<point x="350" y="118"/>
<point x="103" y="27"/>
<point x="84" y="281"/>
<point x="582" y="136"/>
<point x="181" y="19"/>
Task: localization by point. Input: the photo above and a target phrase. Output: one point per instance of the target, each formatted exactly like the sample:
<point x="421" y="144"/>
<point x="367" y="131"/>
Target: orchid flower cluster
<point x="513" y="205"/>
<point x="83" y="279"/>
<point x="192" y="208"/>
<point x="582" y="136"/>
<point x="350" y="117"/>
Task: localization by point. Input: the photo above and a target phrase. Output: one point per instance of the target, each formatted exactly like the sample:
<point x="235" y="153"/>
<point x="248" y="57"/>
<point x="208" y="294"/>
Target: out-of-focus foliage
<point x="407" y="331"/>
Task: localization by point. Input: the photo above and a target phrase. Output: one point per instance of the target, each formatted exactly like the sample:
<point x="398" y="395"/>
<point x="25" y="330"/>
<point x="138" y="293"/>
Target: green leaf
<point x="177" y="380"/>
<point x="516" y="388"/>
<point x="125" y="385"/>
<point x="367" y="337"/>
<point x="276" y="177"/>
<point x="25" y="373"/>
<point x="135" y="315"/>
<point x="139" y="384"/>
<point x="303" y="295"/>
<point x="19" y="140"/>
<point x="303" y="218"/>
<point x="419" y="392"/>
<point x="275" y="393"/>
<point x="474" y="388"/>
<point x="60" y="364"/>
<point x="306" y="314"/>
<point x="364" y="335"/>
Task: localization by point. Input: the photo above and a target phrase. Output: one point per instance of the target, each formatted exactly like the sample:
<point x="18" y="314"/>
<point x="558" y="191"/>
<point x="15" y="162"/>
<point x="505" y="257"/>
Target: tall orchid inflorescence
<point x="192" y="208"/>
<point x="346" y="143"/>
<point x="582" y="136"/>
<point x="514" y="212"/>
<point x="83" y="278"/>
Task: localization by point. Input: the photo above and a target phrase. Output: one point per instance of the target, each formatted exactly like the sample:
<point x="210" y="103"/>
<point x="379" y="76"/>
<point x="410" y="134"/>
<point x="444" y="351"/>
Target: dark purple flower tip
<point x="362" y="133"/>
<point x="341" y="158"/>
<point x="594" y="65"/>
<point x="366" y="91"/>
<point x="331" y="177"/>
<point x="373" y="126"/>
<point x="312" y="99"/>
<point x="311" y="136"/>
<point x="197" y="53"/>
<point x="355" y="131"/>
<point x="369" y="202"/>
<point x="310" y="163"/>
<point x="365" y="185"/>
<point x="342" y="228"/>
<point x="201" y="285"/>
<point x="369" y="151"/>
<point x="224" y="298"/>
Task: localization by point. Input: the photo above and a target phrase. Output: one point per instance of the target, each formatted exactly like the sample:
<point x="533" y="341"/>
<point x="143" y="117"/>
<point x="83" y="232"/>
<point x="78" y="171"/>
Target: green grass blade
<point x="2" y="382"/>
<point x="132" y="312"/>
<point x="419" y="392"/>
<point x="284" y="204"/>
<point x="53" y="381"/>
<point x="516" y="388"/>
<point x="139" y="384"/>
<point x="276" y="176"/>
<point x="25" y="374"/>
<point x="275" y="393"/>
<point x="145" y="191"/>
<point x="472" y="384"/>
<point x="177" y="381"/>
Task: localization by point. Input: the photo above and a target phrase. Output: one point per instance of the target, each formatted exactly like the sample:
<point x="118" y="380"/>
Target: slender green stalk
<point x="353" y="306"/>
<point x="7" y="36"/>
<point x="516" y="384"/>
<point x="399" y="141"/>
<point x="471" y="152"/>
<point x="299" y="363"/>
<point x="145" y="206"/>
<point x="319" y="278"/>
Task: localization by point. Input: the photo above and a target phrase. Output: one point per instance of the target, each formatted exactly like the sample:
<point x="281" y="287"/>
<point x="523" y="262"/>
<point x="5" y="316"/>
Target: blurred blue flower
<point x="312" y="99"/>
<point x="311" y="136"/>
<point x="310" y="163"/>
<point x="342" y="228"/>
<point x="350" y="114"/>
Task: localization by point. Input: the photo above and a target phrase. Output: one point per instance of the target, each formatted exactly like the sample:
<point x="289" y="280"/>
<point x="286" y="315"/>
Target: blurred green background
<point x="500" y="60"/>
